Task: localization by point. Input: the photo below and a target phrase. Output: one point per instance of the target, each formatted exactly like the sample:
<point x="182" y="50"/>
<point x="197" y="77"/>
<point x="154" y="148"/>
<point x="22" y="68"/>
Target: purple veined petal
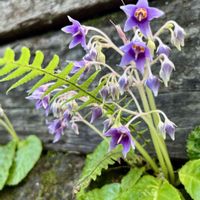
<point x="142" y="4"/>
<point x="69" y="29"/>
<point x="76" y="40"/>
<point x="113" y="142"/>
<point x="45" y="102"/>
<point x="77" y="66"/>
<point x="126" y="145"/>
<point x="83" y="43"/>
<point x="170" y="128"/>
<point x="140" y="63"/>
<point x="38" y="104"/>
<point x="96" y="113"/>
<point x="123" y="83"/>
<point x="127" y="47"/>
<point x="129" y="24"/>
<point x="126" y="59"/>
<point x="163" y="49"/>
<point x="57" y="137"/>
<point x="111" y="132"/>
<point x="74" y="22"/>
<point x="154" y="13"/>
<point x="145" y="28"/>
<point x="153" y="84"/>
<point x="129" y="9"/>
<point x="75" y="128"/>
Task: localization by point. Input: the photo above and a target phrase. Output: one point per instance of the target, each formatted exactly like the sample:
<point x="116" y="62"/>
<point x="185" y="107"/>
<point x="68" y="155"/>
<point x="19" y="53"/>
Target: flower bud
<point x="104" y="92"/>
<point x="177" y="36"/>
<point x="96" y="113"/>
<point x="166" y="69"/>
<point x="169" y="128"/>
<point x="107" y="124"/>
<point x="153" y="84"/>
<point x="123" y="83"/>
<point x="163" y="49"/>
<point x="75" y="128"/>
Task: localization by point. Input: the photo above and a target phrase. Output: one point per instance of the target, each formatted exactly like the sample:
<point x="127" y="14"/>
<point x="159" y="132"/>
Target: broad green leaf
<point x="131" y="178"/>
<point x="193" y="144"/>
<point x="151" y="188"/>
<point x="107" y="192"/>
<point x="97" y="161"/>
<point x="189" y="176"/>
<point x="7" y="153"/>
<point x="27" y="154"/>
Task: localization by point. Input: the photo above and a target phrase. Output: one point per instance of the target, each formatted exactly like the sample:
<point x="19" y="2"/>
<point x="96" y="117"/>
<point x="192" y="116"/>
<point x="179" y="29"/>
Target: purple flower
<point x="135" y="51"/>
<point x="74" y="127"/>
<point x="91" y="55"/>
<point x="41" y="102"/>
<point x="168" y="127"/>
<point x="178" y="36"/>
<point x="163" y="49"/>
<point x="67" y="116"/>
<point x="77" y="66"/>
<point x="153" y="84"/>
<point x="104" y="92"/>
<point x="78" y="33"/>
<point x="107" y="124"/>
<point x="96" y="113"/>
<point x="56" y="127"/>
<point x="140" y="15"/>
<point x="123" y="83"/>
<point x="166" y="69"/>
<point x="120" y="135"/>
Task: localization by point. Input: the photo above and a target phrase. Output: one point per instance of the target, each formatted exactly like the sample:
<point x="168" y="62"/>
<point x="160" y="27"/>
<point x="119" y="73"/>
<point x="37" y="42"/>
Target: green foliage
<point x="107" y="192"/>
<point x="193" y="144"/>
<point x="12" y="69"/>
<point x="131" y="178"/>
<point x="7" y="153"/>
<point x="189" y="176"/>
<point x="27" y="154"/>
<point x="97" y="161"/>
<point x="151" y="188"/>
<point x="134" y="186"/>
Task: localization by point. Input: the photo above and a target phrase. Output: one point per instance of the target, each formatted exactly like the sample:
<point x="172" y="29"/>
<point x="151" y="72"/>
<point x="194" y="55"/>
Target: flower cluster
<point x="139" y="55"/>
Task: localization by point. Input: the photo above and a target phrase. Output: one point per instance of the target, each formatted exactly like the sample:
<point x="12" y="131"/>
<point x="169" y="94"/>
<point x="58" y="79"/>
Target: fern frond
<point x="97" y="161"/>
<point x="26" y="71"/>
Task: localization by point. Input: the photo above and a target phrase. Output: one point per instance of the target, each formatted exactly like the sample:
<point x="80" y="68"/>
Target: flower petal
<point x="126" y="59"/>
<point x="126" y="146"/>
<point x="129" y="24"/>
<point x="145" y="28"/>
<point x="142" y="4"/>
<point x="154" y="13"/>
<point x="129" y="9"/>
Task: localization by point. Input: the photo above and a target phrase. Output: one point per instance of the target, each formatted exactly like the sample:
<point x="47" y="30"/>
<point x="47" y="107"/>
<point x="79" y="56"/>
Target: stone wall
<point x="36" y="24"/>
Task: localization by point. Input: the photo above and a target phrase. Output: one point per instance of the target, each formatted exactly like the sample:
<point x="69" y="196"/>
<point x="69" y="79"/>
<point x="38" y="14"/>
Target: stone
<point x="52" y="178"/>
<point x="180" y="100"/>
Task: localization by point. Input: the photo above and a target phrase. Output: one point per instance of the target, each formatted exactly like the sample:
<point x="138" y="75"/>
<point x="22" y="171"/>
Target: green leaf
<point x="7" y="153"/>
<point x="107" y="192"/>
<point x="193" y="144"/>
<point x="97" y="161"/>
<point x="151" y="188"/>
<point x="189" y="176"/>
<point x="27" y="154"/>
<point x="131" y="178"/>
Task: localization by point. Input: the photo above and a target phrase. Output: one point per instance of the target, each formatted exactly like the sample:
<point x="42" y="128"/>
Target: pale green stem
<point x="153" y="135"/>
<point x="10" y="130"/>
<point x="152" y="104"/>
<point x="160" y="138"/>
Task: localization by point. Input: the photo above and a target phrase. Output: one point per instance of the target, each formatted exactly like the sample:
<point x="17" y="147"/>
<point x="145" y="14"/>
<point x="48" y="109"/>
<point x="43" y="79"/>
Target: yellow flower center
<point x="140" y="14"/>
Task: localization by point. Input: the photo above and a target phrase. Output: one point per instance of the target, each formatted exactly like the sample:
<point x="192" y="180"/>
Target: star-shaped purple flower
<point x="136" y="51"/>
<point x="41" y="102"/>
<point x="78" y="33"/>
<point x="120" y="135"/>
<point x="140" y="15"/>
<point x="56" y="127"/>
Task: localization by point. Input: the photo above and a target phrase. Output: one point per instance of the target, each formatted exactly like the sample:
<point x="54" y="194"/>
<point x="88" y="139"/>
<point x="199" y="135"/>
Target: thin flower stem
<point x="135" y="100"/>
<point x="9" y="129"/>
<point x="153" y="134"/>
<point x="161" y="140"/>
<point x="93" y="128"/>
<point x="107" y="38"/>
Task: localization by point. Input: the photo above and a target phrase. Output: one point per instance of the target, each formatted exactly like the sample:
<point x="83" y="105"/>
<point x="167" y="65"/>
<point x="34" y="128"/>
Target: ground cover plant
<point x="123" y="98"/>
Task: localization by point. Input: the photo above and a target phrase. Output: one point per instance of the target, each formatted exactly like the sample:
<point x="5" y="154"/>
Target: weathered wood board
<point x="180" y="101"/>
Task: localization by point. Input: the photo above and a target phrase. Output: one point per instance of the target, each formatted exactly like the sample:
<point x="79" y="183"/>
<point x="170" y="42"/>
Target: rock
<point x="29" y="17"/>
<point x="180" y="100"/>
<point x="52" y="178"/>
